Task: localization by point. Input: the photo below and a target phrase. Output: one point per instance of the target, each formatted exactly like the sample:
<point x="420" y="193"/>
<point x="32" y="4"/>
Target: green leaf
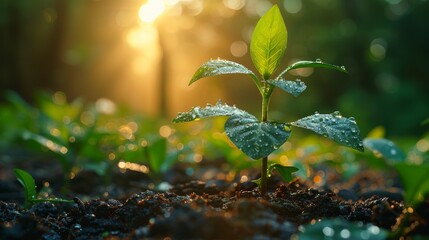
<point x="27" y="181"/>
<point x="312" y="64"/>
<point x="55" y="147"/>
<point x="257" y="181"/>
<point x="384" y="148"/>
<point x="158" y="154"/>
<point x="340" y="229"/>
<point x="209" y="111"/>
<point x="268" y="43"/>
<point x="415" y="181"/>
<point x="284" y="171"/>
<point x="217" y="67"/>
<point x="256" y="139"/>
<point x="333" y="126"/>
<point x="293" y="87"/>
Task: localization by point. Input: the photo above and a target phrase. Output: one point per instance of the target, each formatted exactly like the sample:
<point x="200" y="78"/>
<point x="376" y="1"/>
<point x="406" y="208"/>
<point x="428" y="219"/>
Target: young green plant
<point x="258" y="139"/>
<point x="31" y="195"/>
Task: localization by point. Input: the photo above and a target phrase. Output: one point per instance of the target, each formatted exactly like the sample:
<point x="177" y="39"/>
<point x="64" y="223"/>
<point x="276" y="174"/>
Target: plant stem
<point x="265" y="103"/>
<point x="264" y="176"/>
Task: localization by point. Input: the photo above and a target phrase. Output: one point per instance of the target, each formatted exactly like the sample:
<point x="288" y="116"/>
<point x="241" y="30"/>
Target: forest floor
<point x="132" y="208"/>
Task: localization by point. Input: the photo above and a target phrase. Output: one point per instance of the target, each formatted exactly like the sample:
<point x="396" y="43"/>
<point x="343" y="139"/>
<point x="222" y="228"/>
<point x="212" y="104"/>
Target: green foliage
<point x="415" y="181"/>
<point x="311" y="64"/>
<point x="412" y="169"/>
<point x="333" y="126"/>
<point x="27" y="181"/>
<point x="258" y="139"/>
<point x="269" y="41"/>
<point x="293" y="87"/>
<point x="284" y="171"/>
<point x="216" y="67"/>
<point x="385" y="148"/>
<point x="217" y="110"/>
<point x="339" y="229"/>
<point x="88" y="137"/>
<point x="413" y="176"/>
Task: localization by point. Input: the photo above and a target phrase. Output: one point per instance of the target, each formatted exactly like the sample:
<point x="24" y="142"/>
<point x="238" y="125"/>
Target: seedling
<point x="258" y="139"/>
<point x="31" y="195"/>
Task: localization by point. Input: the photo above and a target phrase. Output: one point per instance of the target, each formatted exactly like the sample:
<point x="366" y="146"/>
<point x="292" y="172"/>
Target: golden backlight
<point x="151" y="10"/>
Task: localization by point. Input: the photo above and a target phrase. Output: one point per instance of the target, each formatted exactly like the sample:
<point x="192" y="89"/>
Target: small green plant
<point x="413" y="176"/>
<point x="258" y="139"/>
<point x="31" y="195"/>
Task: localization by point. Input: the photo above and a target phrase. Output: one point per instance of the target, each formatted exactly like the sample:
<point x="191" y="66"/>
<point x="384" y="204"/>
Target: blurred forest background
<point x="142" y="54"/>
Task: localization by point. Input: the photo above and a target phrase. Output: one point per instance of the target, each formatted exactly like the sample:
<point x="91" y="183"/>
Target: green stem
<point x="264" y="171"/>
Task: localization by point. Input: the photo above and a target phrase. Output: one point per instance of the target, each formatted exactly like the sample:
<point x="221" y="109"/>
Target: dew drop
<point x="374" y="230"/>
<point x="345" y="233"/>
<point x="393" y="151"/>
<point x="328" y="231"/>
<point x="318" y="60"/>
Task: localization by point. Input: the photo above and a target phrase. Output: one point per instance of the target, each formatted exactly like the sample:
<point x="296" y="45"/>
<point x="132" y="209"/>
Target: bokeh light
<point x="151" y="10"/>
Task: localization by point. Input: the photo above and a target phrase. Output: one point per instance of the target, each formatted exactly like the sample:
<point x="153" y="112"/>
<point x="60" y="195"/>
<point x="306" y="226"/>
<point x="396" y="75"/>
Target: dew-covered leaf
<point x="256" y="139"/>
<point x="384" y="148"/>
<point x="333" y="126"/>
<point x="339" y="229"/>
<point x="268" y="43"/>
<point x="312" y="64"/>
<point x="293" y="87"/>
<point x="415" y="181"/>
<point x="209" y="110"/>
<point x="284" y="171"/>
<point x="217" y="67"/>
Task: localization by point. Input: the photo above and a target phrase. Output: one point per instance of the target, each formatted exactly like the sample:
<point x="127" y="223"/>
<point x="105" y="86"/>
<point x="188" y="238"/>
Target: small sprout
<point x="259" y="138"/>
<point x="27" y="181"/>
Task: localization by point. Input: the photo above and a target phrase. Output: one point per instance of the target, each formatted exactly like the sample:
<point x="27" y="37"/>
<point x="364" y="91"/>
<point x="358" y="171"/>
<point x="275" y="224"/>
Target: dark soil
<point x="212" y="209"/>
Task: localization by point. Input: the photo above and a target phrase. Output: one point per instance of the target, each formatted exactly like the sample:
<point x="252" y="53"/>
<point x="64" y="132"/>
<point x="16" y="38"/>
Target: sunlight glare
<point x="151" y="10"/>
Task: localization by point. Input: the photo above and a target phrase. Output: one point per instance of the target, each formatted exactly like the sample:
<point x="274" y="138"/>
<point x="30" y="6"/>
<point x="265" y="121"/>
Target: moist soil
<point x="199" y="208"/>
